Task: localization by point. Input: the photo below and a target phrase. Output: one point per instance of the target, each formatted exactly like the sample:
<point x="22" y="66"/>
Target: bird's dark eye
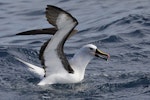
<point x="91" y="49"/>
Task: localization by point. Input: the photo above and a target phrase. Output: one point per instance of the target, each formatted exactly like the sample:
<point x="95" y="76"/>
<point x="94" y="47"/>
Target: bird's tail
<point x="35" y="70"/>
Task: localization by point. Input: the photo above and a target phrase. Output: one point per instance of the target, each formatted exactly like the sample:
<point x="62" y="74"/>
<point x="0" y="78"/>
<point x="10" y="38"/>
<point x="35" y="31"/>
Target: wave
<point x="32" y="13"/>
<point x="139" y="33"/>
<point x="134" y="18"/>
<point x="112" y="39"/>
<point x="130" y="81"/>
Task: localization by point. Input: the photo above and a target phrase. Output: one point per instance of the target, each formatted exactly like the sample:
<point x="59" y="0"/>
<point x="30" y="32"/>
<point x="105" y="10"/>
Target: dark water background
<point x="119" y="27"/>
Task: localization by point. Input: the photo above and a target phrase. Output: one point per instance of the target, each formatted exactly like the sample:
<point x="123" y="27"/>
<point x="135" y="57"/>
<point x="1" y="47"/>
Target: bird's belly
<point x="62" y="78"/>
<point x="68" y="78"/>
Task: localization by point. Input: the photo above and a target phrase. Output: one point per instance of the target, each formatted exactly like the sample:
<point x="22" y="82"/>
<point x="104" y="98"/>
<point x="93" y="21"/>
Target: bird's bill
<point x="101" y="54"/>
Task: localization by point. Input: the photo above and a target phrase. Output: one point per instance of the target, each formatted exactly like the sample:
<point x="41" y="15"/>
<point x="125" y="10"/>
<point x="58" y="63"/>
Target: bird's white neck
<point x="80" y="60"/>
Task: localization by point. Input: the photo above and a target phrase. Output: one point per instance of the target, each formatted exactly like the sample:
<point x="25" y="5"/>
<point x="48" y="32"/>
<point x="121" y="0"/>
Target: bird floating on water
<point x="56" y="67"/>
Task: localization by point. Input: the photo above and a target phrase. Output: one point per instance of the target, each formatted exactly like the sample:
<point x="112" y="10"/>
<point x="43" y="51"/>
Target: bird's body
<point x="56" y="67"/>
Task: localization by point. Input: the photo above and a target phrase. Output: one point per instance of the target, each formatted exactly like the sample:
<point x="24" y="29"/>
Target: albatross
<point x="56" y="68"/>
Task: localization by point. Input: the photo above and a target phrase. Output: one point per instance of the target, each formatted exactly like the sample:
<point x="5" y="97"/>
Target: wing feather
<point x="49" y="31"/>
<point x="51" y="53"/>
<point x="54" y="58"/>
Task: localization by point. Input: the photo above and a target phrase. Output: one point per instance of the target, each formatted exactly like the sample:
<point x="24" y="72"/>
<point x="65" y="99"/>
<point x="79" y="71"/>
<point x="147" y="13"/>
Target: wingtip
<point x="52" y="13"/>
<point x="49" y="31"/>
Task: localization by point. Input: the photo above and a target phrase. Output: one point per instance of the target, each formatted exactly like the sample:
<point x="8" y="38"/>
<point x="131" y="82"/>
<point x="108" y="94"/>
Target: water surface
<point x="119" y="27"/>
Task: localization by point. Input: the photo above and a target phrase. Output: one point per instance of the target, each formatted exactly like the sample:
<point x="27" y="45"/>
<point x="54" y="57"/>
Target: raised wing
<point x="48" y="31"/>
<point x="53" y="54"/>
<point x="46" y="43"/>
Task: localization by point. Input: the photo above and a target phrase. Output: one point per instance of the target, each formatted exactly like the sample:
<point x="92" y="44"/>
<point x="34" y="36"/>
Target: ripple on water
<point x="32" y="13"/>
<point x="112" y="39"/>
<point x="139" y="33"/>
<point x="134" y="18"/>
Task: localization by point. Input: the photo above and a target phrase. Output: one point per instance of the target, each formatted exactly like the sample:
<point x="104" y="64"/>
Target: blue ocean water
<point x="119" y="27"/>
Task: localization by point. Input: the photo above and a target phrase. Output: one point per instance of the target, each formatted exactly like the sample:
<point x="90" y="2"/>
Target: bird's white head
<point x="87" y="53"/>
<point x="92" y="50"/>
